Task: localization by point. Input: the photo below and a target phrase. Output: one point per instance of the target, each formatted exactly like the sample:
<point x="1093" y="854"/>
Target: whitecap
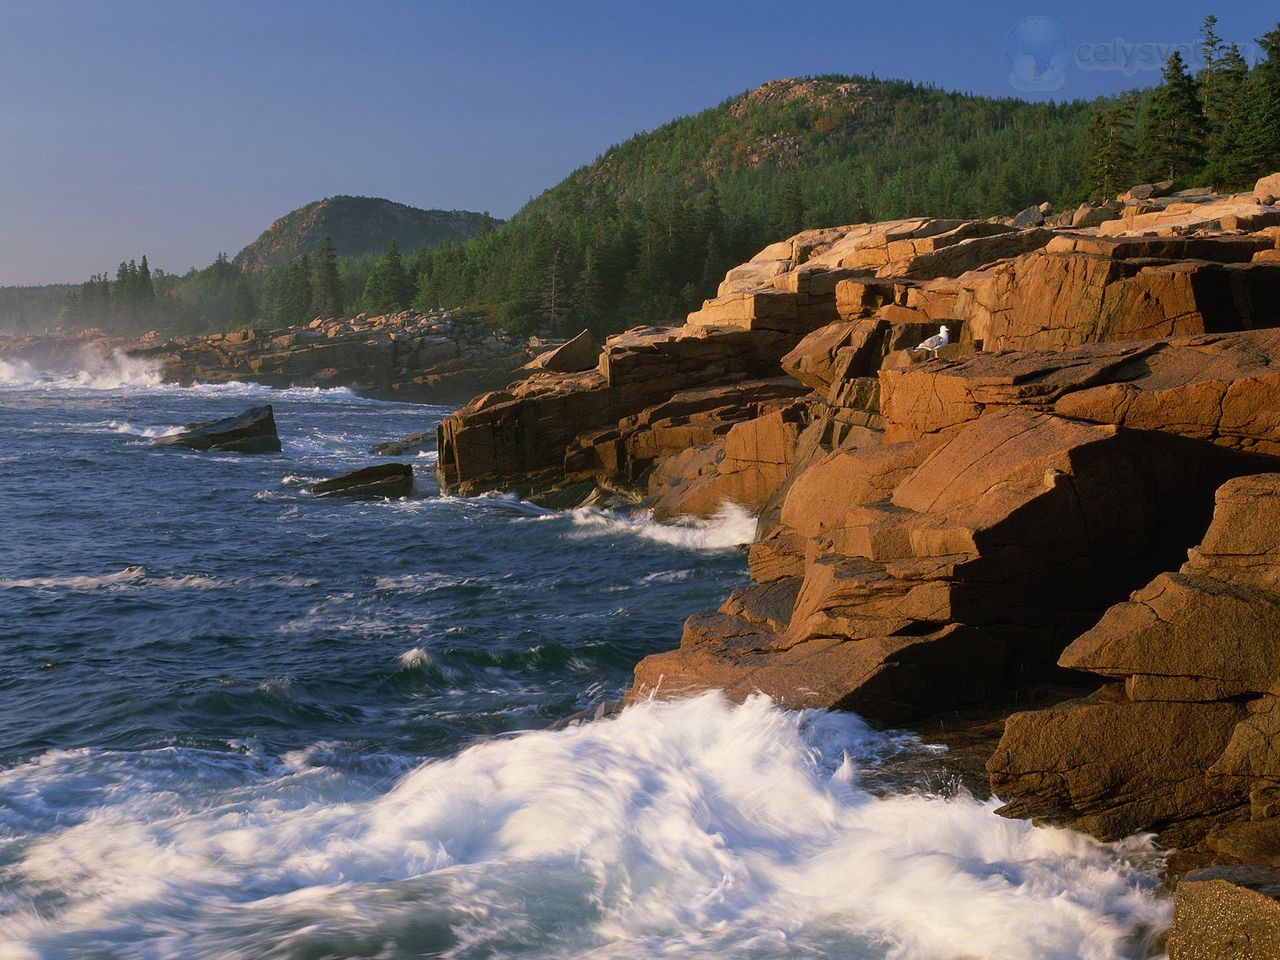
<point x="731" y="526"/>
<point x="690" y="828"/>
<point x="415" y="658"/>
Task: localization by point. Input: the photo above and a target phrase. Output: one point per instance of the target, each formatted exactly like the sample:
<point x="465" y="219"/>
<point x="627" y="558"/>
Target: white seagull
<point x="936" y="342"/>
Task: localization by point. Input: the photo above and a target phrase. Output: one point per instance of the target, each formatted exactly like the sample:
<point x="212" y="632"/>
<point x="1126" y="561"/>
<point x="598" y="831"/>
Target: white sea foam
<point x="89" y="368"/>
<point x="137" y="577"/>
<point x="134" y="430"/>
<point x="424" y="582"/>
<point x="729" y="527"/>
<point x="677" y="829"/>
<point x="415" y="658"/>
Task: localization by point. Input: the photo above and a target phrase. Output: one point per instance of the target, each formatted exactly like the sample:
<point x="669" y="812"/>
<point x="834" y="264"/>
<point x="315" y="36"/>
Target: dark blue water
<point x="240" y="722"/>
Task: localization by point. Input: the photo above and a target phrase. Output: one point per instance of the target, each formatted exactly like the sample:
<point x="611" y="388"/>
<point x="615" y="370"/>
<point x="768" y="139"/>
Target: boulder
<point x="573" y="356"/>
<point x="1267" y="189"/>
<point x="1093" y="215"/>
<point x="1030" y="217"/>
<point x="1147" y="191"/>
<point x="410" y="444"/>
<point x="1113" y="767"/>
<point x="382" y="480"/>
<point x="253" y="431"/>
<point x="1227" y="913"/>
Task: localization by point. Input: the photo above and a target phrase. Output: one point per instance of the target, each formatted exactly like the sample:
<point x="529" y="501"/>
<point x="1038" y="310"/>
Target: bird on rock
<point x="937" y="341"/>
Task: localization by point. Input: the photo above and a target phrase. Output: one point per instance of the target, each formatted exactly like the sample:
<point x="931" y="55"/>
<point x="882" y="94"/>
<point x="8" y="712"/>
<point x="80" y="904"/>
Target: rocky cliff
<point x="971" y="529"/>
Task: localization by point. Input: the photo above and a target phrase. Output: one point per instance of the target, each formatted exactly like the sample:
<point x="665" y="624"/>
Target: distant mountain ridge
<point x="357" y="225"/>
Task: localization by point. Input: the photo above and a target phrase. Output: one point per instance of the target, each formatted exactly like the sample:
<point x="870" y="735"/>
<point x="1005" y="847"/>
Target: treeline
<point x="1218" y="126"/>
<point x="224" y="297"/>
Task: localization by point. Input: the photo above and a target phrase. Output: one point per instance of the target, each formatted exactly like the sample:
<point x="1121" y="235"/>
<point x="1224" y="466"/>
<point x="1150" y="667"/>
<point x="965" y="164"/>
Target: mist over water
<point x="240" y="722"/>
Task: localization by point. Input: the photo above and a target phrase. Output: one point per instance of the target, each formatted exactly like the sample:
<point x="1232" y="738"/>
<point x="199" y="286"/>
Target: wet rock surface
<point x="253" y="431"/>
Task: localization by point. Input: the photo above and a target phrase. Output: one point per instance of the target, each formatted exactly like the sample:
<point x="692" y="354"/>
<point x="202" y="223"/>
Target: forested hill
<point x="645" y="231"/>
<point x="356" y="226"/>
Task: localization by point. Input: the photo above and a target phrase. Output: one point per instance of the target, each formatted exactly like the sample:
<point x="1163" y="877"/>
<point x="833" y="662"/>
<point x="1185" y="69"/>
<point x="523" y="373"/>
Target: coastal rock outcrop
<point x="420" y="357"/>
<point x="381" y="480"/>
<point x="1194" y="660"/>
<point x="947" y="570"/>
<point x="253" y="431"/>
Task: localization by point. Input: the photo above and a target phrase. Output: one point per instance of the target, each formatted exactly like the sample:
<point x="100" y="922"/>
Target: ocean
<point x="237" y="721"/>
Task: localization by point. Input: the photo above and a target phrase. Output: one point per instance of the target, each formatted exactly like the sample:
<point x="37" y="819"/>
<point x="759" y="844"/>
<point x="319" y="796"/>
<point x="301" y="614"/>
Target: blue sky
<point x="180" y="129"/>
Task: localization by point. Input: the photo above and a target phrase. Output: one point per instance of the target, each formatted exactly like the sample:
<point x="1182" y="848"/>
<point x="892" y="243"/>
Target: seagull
<point x="936" y="342"/>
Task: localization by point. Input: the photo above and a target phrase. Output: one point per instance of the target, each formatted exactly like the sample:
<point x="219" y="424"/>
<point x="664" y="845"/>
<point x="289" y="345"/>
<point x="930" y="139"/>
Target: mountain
<point x="644" y="232"/>
<point x="357" y="225"/>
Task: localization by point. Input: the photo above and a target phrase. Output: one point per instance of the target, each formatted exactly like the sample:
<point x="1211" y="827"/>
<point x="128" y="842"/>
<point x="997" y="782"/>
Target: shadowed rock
<point x="253" y="431"/>
<point x="382" y="480"/>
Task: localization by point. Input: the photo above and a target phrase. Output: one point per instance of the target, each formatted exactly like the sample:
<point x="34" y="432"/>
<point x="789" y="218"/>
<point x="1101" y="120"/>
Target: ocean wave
<point x="137" y="577"/>
<point x="692" y="828"/>
<point x="729" y="527"/>
<point x="89" y="369"/>
<point x="133" y="430"/>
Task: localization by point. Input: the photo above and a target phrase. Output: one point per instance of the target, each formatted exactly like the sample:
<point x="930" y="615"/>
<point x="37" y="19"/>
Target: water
<point x="240" y="722"/>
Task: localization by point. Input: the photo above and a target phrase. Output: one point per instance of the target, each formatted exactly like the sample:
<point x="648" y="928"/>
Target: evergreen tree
<point x="1109" y="150"/>
<point x="146" y="292"/>
<point x="388" y="288"/>
<point x="552" y="306"/>
<point x="327" y="294"/>
<point x="588" y="292"/>
<point x="293" y="299"/>
<point x="244" y="311"/>
<point x="791" y="211"/>
<point x="1174" y="138"/>
<point x="1227" y="163"/>
<point x="1261" y="137"/>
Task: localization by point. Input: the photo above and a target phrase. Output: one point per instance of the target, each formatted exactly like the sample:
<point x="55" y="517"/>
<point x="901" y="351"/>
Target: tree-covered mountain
<point x="356" y="226"/>
<point x="644" y="232"/>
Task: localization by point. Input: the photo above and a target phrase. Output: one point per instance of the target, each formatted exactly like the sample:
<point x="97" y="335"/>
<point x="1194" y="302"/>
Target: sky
<point x="181" y="129"/>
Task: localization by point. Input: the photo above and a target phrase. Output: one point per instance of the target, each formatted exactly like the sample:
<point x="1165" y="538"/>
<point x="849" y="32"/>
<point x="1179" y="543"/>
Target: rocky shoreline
<point x="1074" y="507"/>
<point x="423" y="358"/>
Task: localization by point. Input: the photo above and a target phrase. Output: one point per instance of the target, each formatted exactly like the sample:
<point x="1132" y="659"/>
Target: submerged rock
<point x="253" y="431"/>
<point x="382" y="480"/>
<point x="410" y="444"/>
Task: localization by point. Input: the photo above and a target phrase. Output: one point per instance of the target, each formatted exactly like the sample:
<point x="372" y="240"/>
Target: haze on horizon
<point x="181" y="131"/>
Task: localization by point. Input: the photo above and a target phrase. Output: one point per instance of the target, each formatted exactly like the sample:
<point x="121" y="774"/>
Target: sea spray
<point x="693" y="828"/>
<point x="730" y="526"/>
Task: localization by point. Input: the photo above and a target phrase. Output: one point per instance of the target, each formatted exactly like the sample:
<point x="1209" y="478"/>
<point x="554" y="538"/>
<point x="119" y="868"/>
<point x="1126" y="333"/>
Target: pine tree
<point x="388" y="288"/>
<point x="791" y="211"/>
<point x="146" y="292"/>
<point x="1174" y="138"/>
<point x="588" y="292"/>
<point x="553" y="293"/>
<point x="293" y="297"/>
<point x="399" y="284"/>
<point x="1261" y="137"/>
<point x="1227" y="163"/>
<point x="243" y="308"/>
<point x="327" y="293"/>
<point x="1109" y="150"/>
